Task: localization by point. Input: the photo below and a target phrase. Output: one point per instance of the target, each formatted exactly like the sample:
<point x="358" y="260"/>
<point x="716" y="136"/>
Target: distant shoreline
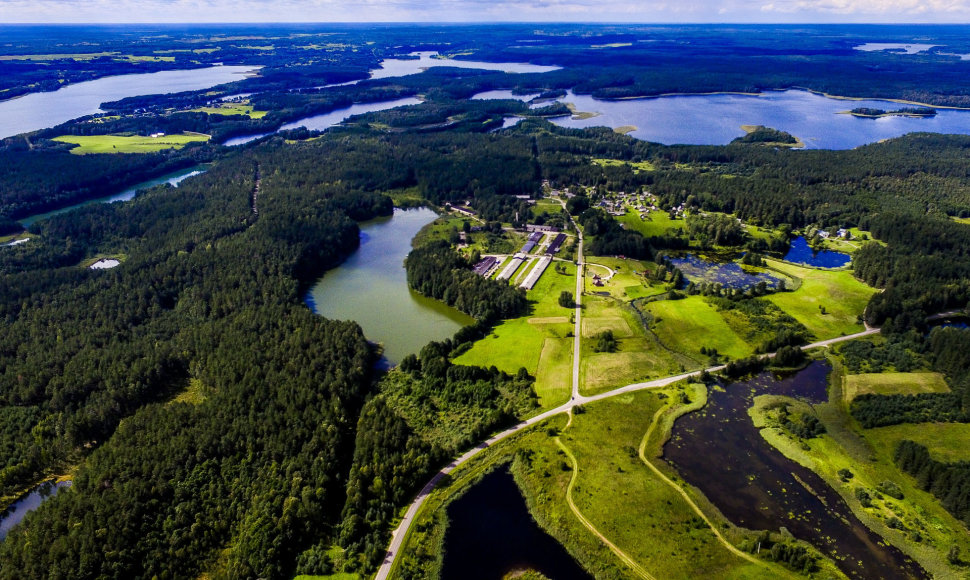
<point x="793" y="88"/>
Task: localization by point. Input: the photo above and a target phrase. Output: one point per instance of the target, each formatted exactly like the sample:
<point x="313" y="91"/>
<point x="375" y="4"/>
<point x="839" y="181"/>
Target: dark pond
<point x="490" y="534"/>
<point x="28" y="503"/>
<point x="727" y="274"/>
<point x="758" y="488"/>
<point x="958" y="322"/>
<point x="802" y="253"/>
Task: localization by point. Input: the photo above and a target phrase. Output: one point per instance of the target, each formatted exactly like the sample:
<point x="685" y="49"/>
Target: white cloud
<point x="77" y="11"/>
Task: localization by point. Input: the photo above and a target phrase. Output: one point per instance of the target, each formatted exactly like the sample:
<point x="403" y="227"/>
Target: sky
<point x="622" y="11"/>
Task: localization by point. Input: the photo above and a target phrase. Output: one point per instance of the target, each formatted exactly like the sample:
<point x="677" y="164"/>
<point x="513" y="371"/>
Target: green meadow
<point x="87" y="144"/>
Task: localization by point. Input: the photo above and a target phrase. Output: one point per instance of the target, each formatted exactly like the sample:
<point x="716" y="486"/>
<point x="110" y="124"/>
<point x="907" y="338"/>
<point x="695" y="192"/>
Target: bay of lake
<point x="42" y="110"/>
<point x="371" y="289"/>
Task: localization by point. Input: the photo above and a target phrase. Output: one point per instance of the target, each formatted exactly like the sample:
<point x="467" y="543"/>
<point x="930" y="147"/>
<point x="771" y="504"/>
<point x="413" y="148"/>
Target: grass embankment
<point x="893" y="384"/>
<point x="87" y="144"/>
<point x="841" y="295"/>
<point x="638" y="357"/>
<point x="540" y="341"/>
<point x="917" y="523"/>
<point x="691" y="324"/>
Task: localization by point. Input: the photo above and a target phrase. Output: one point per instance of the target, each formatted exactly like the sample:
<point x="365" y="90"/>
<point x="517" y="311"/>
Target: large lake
<point x="717" y="119"/>
<point x="371" y="289"/>
<point x="399" y="67"/>
<point x="42" y="110"/>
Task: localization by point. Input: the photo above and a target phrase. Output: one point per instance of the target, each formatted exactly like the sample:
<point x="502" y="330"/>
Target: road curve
<point x="398" y="535"/>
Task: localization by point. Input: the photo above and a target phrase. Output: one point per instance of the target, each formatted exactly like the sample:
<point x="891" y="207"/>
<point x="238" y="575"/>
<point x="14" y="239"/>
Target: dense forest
<point x="222" y="428"/>
<point x="949" y="482"/>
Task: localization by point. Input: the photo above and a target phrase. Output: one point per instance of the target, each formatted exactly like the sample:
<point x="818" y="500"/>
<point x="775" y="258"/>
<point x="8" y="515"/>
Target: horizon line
<point x="481" y="23"/>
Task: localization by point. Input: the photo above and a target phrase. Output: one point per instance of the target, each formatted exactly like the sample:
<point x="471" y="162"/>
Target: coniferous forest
<point x="217" y="426"/>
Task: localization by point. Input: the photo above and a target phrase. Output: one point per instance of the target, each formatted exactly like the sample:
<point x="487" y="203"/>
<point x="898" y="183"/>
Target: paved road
<point x="398" y="535"/>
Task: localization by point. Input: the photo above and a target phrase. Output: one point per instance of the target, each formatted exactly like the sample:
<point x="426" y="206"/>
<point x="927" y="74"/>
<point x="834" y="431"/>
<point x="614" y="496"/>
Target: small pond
<point x="802" y="253"/>
<point x="491" y="534"/>
<point x="727" y="274"/>
<point x="758" y="488"/>
<point x="28" y="503"/>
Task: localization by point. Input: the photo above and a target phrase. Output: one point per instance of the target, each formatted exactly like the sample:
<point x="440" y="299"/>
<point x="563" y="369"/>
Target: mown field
<point x="948" y="442"/>
<point x="639" y="357"/>
<point x="893" y="384"/>
<point x="827" y="302"/>
<point x="627" y="281"/>
<point x="692" y="323"/>
<point x="232" y="109"/>
<point x="87" y="144"/>
<point x="539" y="341"/>
<point x="657" y="223"/>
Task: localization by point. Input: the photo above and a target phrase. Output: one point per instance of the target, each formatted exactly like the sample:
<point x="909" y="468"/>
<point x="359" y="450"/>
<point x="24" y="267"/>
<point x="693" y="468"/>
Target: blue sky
<point x="880" y="11"/>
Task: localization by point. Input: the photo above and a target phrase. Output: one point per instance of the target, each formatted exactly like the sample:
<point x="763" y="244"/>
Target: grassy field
<point x="868" y="455"/>
<point x="893" y="384"/>
<point x="631" y="506"/>
<point x="232" y="109"/>
<point x="628" y="282"/>
<point x="637" y="166"/>
<point x="547" y="207"/>
<point x="657" y="223"/>
<point x="128" y="143"/>
<point x="639" y="357"/>
<point x="965" y="220"/>
<point x="538" y="341"/>
<point x="948" y="442"/>
<point x="842" y="296"/>
<point x="689" y="324"/>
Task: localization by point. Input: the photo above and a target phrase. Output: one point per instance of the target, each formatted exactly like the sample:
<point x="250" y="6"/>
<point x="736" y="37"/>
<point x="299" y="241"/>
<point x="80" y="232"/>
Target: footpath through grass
<point x="626" y="502"/>
<point x="88" y="144"/>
